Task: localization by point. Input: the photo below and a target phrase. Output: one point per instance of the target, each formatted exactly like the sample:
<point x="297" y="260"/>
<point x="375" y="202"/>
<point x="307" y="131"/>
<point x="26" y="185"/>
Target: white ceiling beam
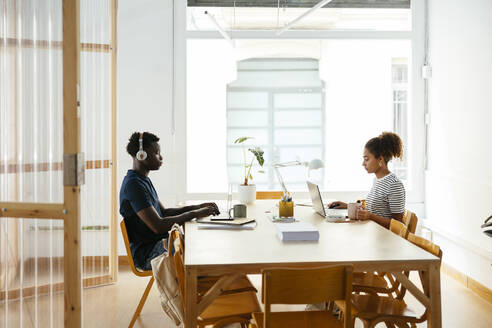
<point x="308" y="12"/>
<point x="219" y="28"/>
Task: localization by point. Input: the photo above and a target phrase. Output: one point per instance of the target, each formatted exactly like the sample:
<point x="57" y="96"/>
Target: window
<point x="360" y="49"/>
<point x="336" y="101"/>
<point x="399" y="73"/>
<point x="280" y="103"/>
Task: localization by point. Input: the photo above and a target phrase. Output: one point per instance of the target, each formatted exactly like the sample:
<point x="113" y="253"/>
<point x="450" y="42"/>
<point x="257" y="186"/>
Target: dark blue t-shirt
<point x="137" y="193"/>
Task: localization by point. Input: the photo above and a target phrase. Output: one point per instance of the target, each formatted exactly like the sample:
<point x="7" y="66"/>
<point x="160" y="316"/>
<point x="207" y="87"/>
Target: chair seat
<point x="231" y="305"/>
<point x="298" y="319"/>
<point x="370" y="280"/>
<point x="242" y="284"/>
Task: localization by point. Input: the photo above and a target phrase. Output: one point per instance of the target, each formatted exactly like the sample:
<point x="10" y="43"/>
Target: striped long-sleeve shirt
<point x="387" y="196"/>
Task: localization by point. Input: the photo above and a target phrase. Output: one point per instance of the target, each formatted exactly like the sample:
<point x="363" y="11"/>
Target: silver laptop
<point x="224" y="212"/>
<point x="332" y="215"/>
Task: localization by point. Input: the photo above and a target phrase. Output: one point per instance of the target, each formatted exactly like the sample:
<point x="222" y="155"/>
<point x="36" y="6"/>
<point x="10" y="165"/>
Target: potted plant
<point x="247" y="191"/>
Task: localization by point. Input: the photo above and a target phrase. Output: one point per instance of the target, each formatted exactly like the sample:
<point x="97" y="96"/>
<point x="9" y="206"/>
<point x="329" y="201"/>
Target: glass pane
<point x="298" y="118"/>
<point x="271" y="17"/>
<point x="96" y="142"/>
<point x="303" y="154"/>
<point x="247" y="100"/>
<point x="31" y="273"/>
<point x="251" y="118"/>
<point x="272" y="64"/>
<point x="95" y="26"/>
<point x="278" y="78"/>
<point x="298" y="137"/>
<point x="31" y="102"/>
<point x="359" y="104"/>
<point x="260" y="136"/>
<point x="298" y="100"/>
<point x="235" y="155"/>
<point x="236" y="174"/>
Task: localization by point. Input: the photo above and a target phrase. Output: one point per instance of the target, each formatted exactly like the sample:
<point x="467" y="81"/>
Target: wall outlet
<point x="426" y="72"/>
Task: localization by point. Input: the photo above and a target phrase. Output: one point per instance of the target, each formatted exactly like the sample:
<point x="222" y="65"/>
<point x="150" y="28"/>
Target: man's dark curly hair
<point x="133" y="146"/>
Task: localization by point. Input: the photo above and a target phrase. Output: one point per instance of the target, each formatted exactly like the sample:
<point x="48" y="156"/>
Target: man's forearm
<point x="168" y="221"/>
<point x="179" y="210"/>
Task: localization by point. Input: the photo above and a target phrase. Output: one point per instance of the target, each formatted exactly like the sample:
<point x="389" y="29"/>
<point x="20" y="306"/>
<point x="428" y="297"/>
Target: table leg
<point x="191" y="307"/>
<point x="435" y="314"/>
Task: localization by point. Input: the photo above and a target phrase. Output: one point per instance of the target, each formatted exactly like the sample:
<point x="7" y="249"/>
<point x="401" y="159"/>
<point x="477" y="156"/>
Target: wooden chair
<point x="304" y="286"/>
<point x="410" y="220"/>
<point x="137" y="272"/>
<point x="220" y="308"/>
<point x="374" y="283"/>
<point x="373" y="309"/>
<point x="269" y="194"/>
<point x="399" y="228"/>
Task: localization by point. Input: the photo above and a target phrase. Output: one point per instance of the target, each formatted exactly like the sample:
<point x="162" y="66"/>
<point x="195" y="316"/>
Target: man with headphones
<point x="147" y="220"/>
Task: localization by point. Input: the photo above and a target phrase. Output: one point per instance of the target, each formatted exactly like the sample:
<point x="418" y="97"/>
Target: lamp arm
<point x="286" y="164"/>
<point x="279" y="176"/>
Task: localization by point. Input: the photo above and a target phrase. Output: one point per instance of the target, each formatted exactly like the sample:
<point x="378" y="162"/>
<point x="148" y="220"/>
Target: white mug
<point x="352" y="210"/>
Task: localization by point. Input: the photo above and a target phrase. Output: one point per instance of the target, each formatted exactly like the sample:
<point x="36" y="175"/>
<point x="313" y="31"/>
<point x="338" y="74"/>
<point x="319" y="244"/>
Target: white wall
<point x="145" y="86"/>
<point x="459" y="176"/>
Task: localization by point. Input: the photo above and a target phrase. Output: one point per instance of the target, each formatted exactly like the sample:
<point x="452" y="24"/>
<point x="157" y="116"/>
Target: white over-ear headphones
<point x="141" y="154"/>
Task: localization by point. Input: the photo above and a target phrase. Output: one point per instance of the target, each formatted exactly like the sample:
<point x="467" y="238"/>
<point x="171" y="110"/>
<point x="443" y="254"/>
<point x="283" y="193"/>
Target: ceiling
<point x="301" y="3"/>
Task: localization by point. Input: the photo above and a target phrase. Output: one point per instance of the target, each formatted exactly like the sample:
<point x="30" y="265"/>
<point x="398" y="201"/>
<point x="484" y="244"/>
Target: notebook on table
<point x="235" y="222"/>
<point x="296" y="231"/>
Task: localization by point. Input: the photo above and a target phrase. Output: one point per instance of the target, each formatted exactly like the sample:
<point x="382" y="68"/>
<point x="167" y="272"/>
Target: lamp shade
<point x="316" y="164"/>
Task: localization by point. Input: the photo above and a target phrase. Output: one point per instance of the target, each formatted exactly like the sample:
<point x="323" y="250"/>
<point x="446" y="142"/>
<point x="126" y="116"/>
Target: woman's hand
<point x="337" y="204"/>
<point x="363" y="215"/>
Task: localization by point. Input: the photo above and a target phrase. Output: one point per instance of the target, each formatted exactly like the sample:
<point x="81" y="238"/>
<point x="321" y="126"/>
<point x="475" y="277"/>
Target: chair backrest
<point x="431" y="248"/>
<point x="269" y="194"/>
<point x="425" y="244"/>
<point x="307" y="286"/>
<point x="129" y="253"/>
<point x="176" y="243"/>
<point x="410" y="220"/>
<point x="399" y="228"/>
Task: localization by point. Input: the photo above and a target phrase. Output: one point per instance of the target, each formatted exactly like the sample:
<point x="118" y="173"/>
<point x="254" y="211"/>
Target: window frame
<point x="416" y="135"/>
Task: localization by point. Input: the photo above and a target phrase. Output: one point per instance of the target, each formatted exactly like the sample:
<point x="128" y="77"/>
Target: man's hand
<point x="204" y="212"/>
<point x="363" y="215"/>
<point x="213" y="205"/>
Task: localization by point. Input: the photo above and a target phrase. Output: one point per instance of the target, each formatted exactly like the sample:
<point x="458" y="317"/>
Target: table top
<point x="362" y="241"/>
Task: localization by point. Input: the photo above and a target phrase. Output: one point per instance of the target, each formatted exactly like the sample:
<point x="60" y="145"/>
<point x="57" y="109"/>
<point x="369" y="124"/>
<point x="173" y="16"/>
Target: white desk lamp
<point x="312" y="165"/>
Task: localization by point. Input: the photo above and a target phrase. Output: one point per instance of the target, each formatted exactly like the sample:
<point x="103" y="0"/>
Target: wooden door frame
<point x="69" y="210"/>
<point x="71" y="146"/>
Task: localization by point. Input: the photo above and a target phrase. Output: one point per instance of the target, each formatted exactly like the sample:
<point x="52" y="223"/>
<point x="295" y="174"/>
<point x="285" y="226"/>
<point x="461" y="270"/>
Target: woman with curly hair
<point x="386" y="200"/>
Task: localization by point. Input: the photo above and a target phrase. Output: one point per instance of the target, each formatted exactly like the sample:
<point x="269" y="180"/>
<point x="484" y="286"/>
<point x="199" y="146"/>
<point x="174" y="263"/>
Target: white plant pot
<point x="247" y="194"/>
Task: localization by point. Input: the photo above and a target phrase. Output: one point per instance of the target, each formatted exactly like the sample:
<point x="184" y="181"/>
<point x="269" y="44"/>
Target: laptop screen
<point x="316" y="198"/>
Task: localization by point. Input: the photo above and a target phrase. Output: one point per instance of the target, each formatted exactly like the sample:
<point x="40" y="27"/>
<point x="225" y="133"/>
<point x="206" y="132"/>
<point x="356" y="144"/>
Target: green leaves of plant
<point x="258" y="152"/>
<point x="241" y="139"/>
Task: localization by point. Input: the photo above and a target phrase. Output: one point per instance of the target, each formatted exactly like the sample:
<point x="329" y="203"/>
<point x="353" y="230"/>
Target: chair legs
<point x="142" y="302"/>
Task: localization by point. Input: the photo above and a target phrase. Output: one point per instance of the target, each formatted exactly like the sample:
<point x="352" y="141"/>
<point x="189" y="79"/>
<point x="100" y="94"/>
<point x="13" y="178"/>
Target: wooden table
<point x="365" y="245"/>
